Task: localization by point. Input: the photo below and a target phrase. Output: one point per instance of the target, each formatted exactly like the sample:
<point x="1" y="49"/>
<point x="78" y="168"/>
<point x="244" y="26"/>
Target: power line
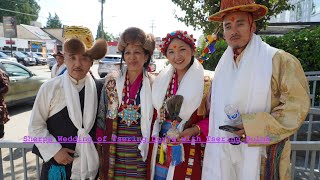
<point x="18" y="2"/>
<point x="152" y="25"/>
<point x="18" y="12"/>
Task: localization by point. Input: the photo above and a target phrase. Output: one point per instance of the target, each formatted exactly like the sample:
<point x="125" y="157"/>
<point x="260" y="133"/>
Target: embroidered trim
<point x="190" y="160"/>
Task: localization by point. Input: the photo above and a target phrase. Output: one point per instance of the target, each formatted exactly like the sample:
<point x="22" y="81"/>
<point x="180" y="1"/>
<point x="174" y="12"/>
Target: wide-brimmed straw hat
<point x="79" y="39"/>
<point x="228" y="6"/>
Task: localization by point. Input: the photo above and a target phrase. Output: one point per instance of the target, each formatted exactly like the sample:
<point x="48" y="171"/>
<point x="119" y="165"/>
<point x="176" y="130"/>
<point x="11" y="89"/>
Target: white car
<point x="109" y="64"/>
<point x="5" y="56"/>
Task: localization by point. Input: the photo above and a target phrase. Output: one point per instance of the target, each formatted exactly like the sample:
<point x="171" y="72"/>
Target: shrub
<point x="303" y="44"/>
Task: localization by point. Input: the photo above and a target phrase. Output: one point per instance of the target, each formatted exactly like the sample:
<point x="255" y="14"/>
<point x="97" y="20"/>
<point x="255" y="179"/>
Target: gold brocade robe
<point x="290" y="104"/>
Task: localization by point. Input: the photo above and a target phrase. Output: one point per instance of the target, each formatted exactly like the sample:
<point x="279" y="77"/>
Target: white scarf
<point x="146" y="110"/>
<point x="247" y="86"/>
<point x="191" y="88"/>
<point x="55" y="71"/>
<point x="87" y="164"/>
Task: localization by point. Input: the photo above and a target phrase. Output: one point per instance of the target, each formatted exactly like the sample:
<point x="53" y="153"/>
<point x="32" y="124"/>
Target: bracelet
<point x="195" y="125"/>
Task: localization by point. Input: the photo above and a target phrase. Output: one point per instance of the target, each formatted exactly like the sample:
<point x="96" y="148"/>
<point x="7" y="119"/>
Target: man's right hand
<point x="63" y="157"/>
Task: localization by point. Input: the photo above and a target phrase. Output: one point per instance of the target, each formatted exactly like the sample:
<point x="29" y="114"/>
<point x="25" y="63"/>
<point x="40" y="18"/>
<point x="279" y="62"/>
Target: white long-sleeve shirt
<point x="55" y="71"/>
<point x="49" y="101"/>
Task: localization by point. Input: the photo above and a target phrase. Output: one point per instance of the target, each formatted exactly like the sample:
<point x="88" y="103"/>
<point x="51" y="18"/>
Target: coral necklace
<point x="171" y="90"/>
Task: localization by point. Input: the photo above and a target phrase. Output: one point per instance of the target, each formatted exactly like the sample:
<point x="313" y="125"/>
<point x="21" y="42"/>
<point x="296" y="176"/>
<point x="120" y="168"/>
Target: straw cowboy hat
<point x="79" y="39"/>
<point x="228" y="6"/>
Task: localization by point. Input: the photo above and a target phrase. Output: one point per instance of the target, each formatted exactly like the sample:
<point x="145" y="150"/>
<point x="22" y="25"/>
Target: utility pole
<point x="102" y="32"/>
<point x="152" y="26"/>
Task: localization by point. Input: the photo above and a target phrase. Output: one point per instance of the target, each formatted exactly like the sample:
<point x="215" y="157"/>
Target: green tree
<point x="54" y="22"/>
<point x="107" y="36"/>
<point x="198" y="11"/>
<point x="23" y="6"/>
<point x="104" y="36"/>
<point x="303" y="44"/>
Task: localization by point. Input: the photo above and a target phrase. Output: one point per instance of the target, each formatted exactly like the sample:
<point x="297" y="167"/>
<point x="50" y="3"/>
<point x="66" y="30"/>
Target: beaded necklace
<point x="170" y="92"/>
<point x="130" y="113"/>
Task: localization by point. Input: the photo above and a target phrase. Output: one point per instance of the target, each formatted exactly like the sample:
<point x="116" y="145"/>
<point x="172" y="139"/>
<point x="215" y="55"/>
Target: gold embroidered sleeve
<point x="202" y="110"/>
<point x="290" y="102"/>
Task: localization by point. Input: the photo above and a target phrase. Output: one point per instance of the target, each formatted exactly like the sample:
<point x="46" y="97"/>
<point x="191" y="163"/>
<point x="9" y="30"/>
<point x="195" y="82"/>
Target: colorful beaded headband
<point x="182" y="35"/>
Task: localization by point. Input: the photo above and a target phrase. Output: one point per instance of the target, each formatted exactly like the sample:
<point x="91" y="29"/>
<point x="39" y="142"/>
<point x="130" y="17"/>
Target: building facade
<point x="304" y="11"/>
<point x="29" y="38"/>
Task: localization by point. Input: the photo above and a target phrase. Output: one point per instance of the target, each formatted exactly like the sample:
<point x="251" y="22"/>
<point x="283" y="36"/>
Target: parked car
<point x="109" y="64"/>
<point x="22" y="58"/>
<point x="112" y="63"/>
<point x="41" y="54"/>
<point x="24" y="84"/>
<point x="42" y="57"/>
<point x="28" y="61"/>
<point x="5" y="56"/>
<point x="39" y="59"/>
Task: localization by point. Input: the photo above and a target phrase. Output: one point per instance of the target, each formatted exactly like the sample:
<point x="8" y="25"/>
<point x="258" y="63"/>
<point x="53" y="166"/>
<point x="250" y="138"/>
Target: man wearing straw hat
<point x="269" y="89"/>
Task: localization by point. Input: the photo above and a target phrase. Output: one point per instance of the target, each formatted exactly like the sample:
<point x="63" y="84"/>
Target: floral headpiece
<point x="182" y="35"/>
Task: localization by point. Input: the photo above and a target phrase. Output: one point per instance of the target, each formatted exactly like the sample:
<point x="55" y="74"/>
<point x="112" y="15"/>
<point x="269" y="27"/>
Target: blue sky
<point x="118" y="15"/>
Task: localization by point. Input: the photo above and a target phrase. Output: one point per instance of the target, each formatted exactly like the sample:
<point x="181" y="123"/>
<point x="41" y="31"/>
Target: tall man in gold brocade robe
<point x="269" y="89"/>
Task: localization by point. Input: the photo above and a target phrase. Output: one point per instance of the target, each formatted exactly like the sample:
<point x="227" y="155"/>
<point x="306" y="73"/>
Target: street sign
<point x="9" y="27"/>
<point x="10" y="42"/>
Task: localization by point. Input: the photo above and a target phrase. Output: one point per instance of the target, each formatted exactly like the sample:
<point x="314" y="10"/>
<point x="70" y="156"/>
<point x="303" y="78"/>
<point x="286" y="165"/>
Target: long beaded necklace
<point x="170" y="152"/>
<point x="170" y="92"/>
<point x="129" y="114"/>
